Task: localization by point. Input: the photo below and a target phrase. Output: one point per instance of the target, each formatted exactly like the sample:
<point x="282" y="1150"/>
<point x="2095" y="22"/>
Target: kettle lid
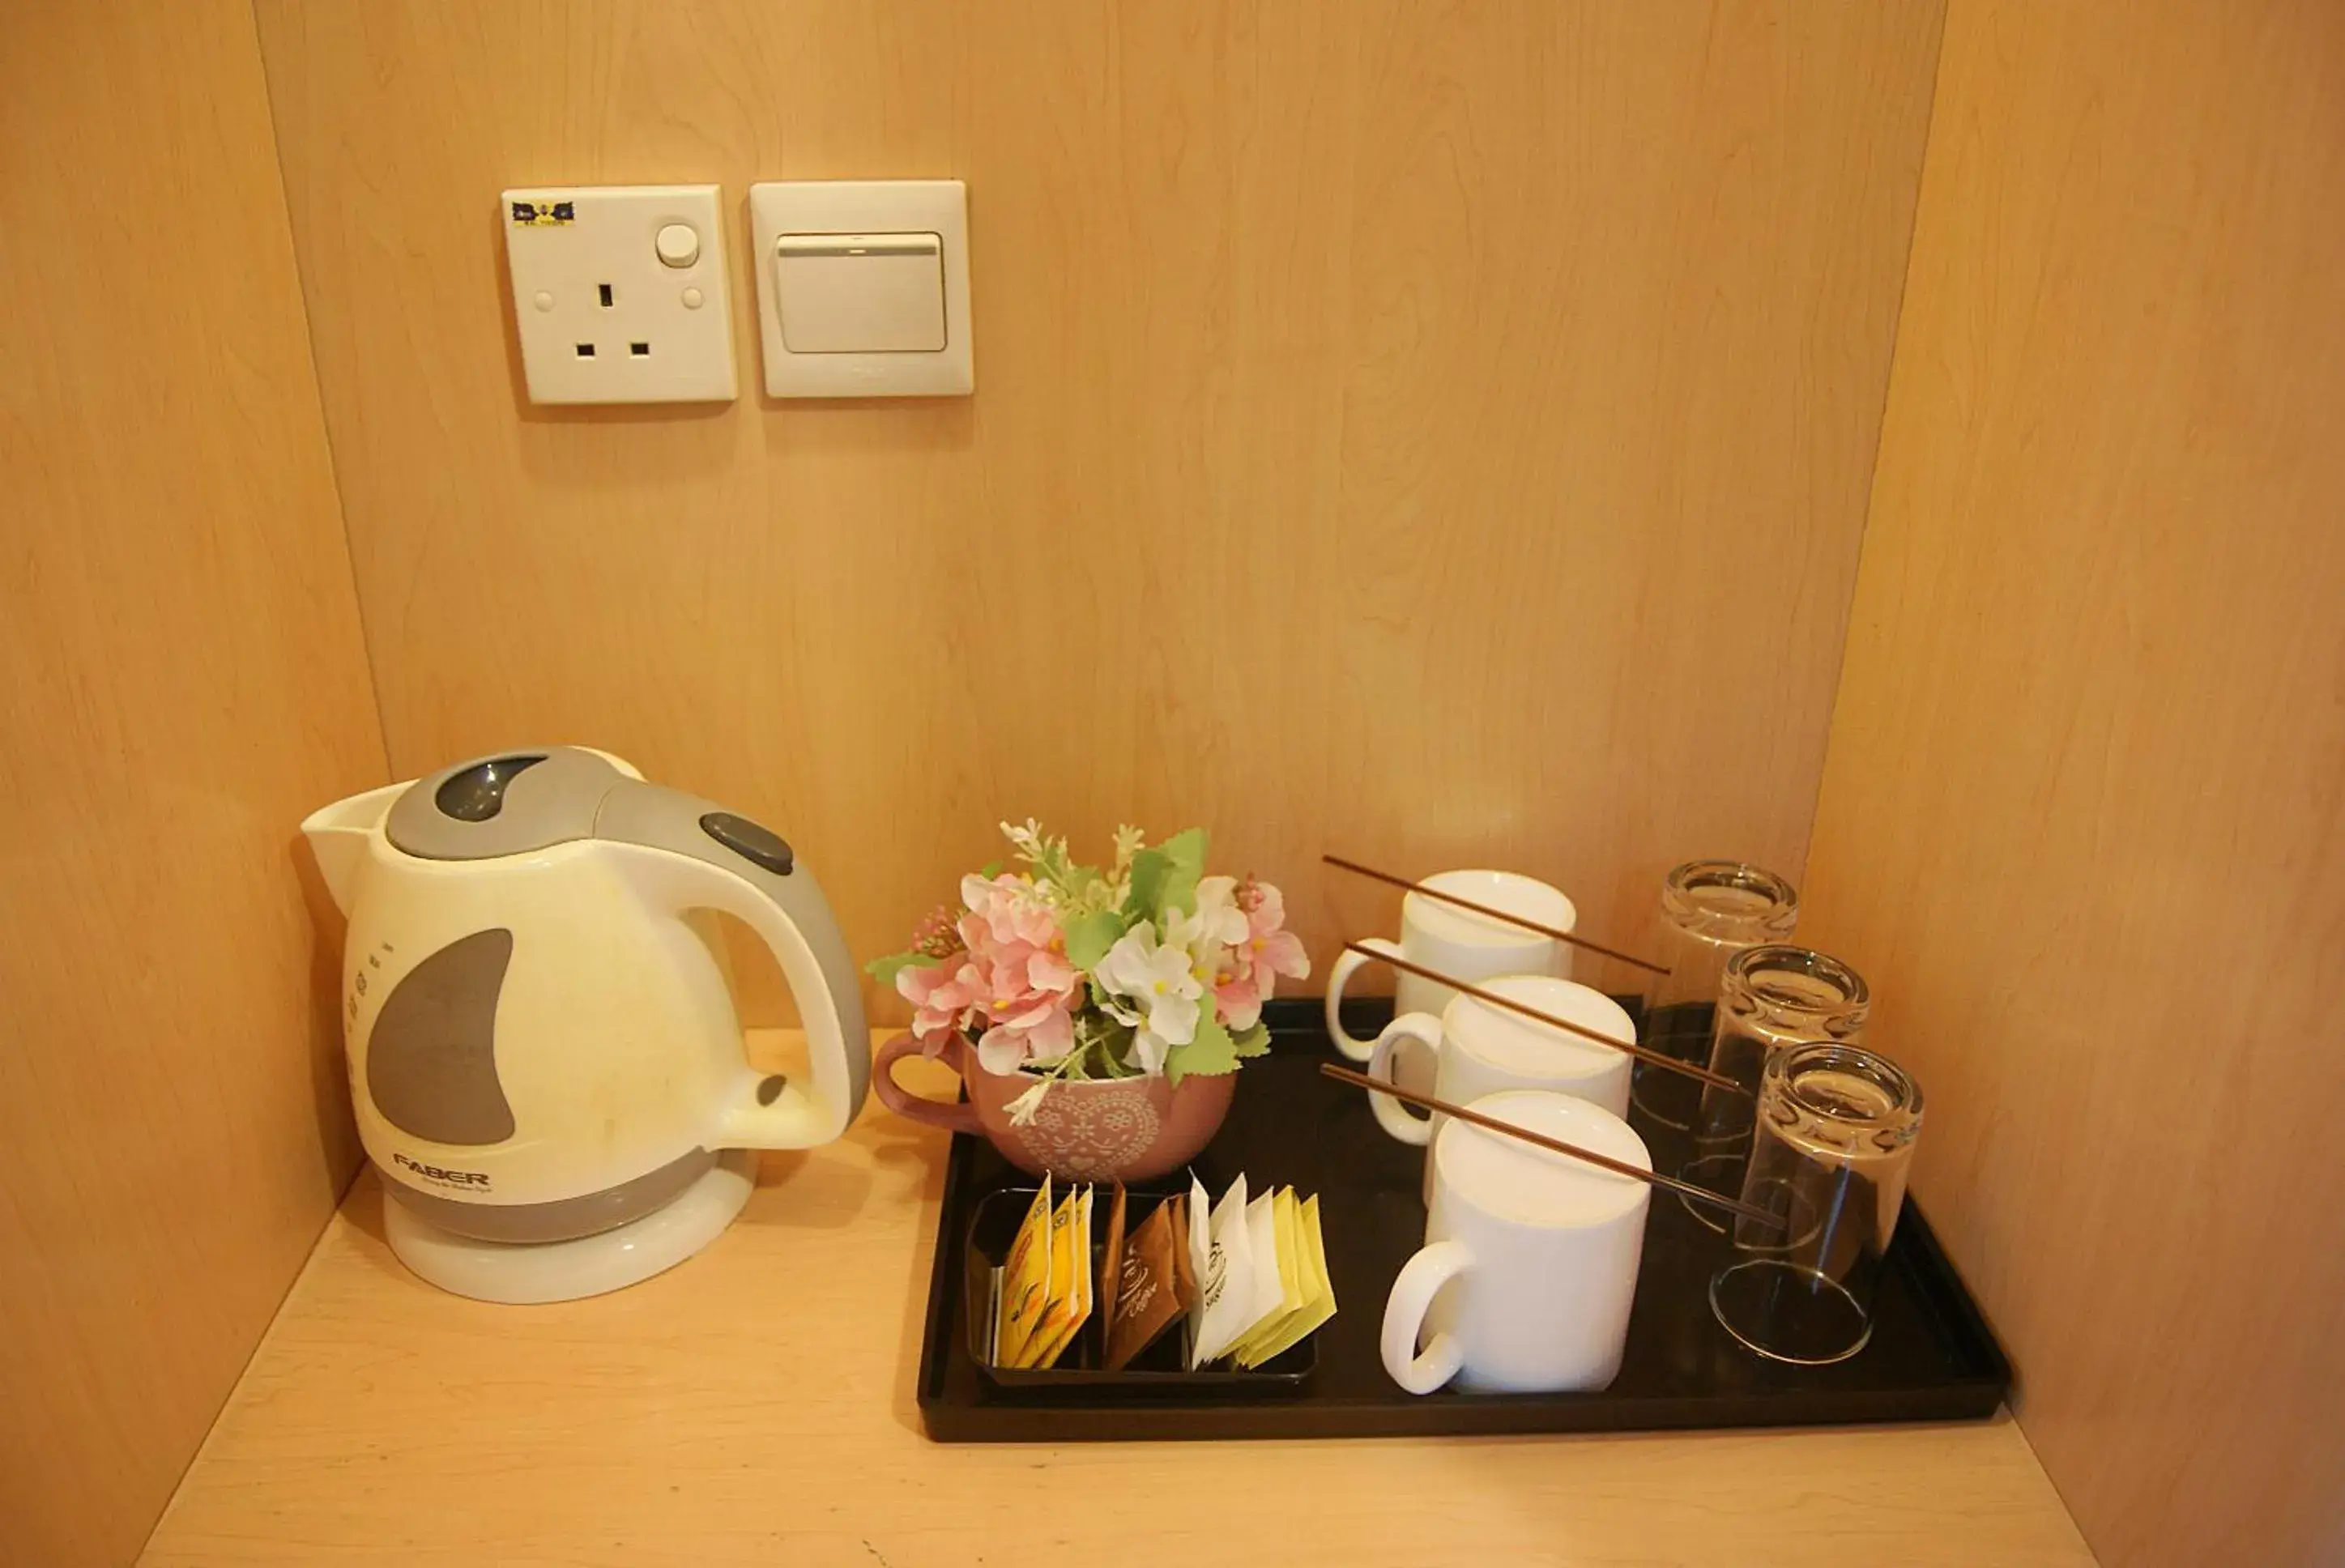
<point x="509" y="803"/>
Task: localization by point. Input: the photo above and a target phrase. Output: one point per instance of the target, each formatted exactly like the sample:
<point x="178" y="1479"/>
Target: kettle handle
<point x="703" y="856"/>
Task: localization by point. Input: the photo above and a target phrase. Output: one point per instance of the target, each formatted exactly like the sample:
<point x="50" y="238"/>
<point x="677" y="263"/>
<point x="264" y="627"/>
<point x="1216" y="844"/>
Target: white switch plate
<point x="875" y="292"/>
<point x="601" y="317"/>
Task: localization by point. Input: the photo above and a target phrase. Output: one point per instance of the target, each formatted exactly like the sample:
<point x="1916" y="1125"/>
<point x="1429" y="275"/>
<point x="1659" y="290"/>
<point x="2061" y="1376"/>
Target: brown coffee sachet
<point x="1150" y="1297"/>
<point x="1184" y="1266"/>
<point x="1110" y="1264"/>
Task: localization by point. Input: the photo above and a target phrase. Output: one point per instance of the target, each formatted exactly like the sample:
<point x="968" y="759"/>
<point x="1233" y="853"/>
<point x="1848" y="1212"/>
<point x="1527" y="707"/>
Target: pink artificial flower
<point x="1010" y="910"/>
<point x="940" y="994"/>
<point x="1249" y="971"/>
<point x="1013" y="980"/>
<point x="1029" y="1006"/>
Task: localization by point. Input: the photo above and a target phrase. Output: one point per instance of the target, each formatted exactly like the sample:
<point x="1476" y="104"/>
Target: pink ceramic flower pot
<point x="1110" y="1130"/>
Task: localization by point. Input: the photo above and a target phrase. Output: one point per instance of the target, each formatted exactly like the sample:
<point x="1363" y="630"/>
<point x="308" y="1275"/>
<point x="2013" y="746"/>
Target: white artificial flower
<point x="1218" y="924"/>
<point x="1023" y="1108"/>
<point x="1153" y="988"/>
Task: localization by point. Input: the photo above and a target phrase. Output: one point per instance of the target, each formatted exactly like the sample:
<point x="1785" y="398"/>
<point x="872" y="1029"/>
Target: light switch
<point x="861" y="293"/>
<point x="863" y="287"/>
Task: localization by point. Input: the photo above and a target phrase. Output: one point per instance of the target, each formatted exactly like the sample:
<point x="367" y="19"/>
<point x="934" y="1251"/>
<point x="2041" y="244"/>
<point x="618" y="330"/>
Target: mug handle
<point x="1410" y="1028"/>
<point x="1424" y="1275"/>
<point x="912" y="1106"/>
<point x="1348" y="964"/>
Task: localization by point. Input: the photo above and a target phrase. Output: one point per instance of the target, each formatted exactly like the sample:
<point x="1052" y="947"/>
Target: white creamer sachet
<point x="1225" y="1272"/>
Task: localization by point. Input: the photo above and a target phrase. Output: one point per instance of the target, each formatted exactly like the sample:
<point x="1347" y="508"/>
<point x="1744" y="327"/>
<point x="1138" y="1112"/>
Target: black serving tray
<point x="1932" y="1356"/>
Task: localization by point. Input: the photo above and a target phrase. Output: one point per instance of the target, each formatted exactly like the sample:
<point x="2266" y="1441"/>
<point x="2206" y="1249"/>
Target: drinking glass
<point x="1711" y="910"/>
<point x="1837" y="1125"/>
<point x="1770" y="998"/>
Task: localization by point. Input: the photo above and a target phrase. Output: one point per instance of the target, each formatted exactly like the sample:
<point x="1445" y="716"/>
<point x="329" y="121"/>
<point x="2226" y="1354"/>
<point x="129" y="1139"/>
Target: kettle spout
<point x="338" y="836"/>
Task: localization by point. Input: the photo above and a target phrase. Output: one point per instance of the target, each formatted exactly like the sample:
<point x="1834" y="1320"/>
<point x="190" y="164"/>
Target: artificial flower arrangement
<point x="1074" y="972"/>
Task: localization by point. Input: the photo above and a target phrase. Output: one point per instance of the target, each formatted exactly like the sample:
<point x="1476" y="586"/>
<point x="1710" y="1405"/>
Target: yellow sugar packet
<point x="1291" y="1278"/>
<point x="1319" y="1300"/>
<point x="1068" y="1310"/>
<point x="1286" y="1245"/>
<point x="1025" y="1281"/>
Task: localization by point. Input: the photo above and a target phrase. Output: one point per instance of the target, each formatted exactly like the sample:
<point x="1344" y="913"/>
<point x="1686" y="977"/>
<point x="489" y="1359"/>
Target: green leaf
<point x="1089" y="938"/>
<point x="1148" y="872"/>
<point x="1184" y="862"/>
<point x="1210" y="1054"/>
<point x="884" y="971"/>
<point x="989" y="870"/>
<point x="1254" y="1042"/>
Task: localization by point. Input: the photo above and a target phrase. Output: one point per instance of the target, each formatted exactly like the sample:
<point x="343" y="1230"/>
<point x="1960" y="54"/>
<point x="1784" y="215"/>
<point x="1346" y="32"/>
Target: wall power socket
<point x="620" y="293"/>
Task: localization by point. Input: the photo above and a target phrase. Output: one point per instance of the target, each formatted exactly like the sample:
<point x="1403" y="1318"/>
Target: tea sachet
<point x="1025" y="1282"/>
<point x="1070" y="1306"/>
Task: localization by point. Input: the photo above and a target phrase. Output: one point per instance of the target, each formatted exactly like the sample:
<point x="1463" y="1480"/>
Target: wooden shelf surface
<point x="755" y="1406"/>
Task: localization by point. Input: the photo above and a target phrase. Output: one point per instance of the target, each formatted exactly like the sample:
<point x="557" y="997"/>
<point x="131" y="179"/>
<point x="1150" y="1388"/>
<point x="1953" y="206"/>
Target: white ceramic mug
<point x="1479" y="1049"/>
<point x="1530" y="1262"/>
<point x="1457" y="942"/>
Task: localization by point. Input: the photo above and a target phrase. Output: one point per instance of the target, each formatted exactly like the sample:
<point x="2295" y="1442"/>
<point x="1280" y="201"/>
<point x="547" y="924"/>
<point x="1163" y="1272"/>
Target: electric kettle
<point x="543" y="1053"/>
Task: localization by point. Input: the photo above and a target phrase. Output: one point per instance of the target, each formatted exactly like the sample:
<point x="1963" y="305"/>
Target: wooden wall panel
<point x="2084" y="818"/>
<point x="181" y="678"/>
<point x="1436" y="430"/>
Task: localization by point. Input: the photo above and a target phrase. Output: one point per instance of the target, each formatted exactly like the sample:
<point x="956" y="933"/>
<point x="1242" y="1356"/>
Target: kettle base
<point x="526" y="1273"/>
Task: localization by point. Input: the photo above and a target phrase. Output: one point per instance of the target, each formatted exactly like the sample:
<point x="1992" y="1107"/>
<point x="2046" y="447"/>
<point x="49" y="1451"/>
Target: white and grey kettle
<point x="544" y="1052"/>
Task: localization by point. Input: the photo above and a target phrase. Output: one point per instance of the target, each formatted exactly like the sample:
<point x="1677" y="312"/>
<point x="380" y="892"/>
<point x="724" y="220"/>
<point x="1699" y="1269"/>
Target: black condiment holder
<point x="1162" y="1367"/>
